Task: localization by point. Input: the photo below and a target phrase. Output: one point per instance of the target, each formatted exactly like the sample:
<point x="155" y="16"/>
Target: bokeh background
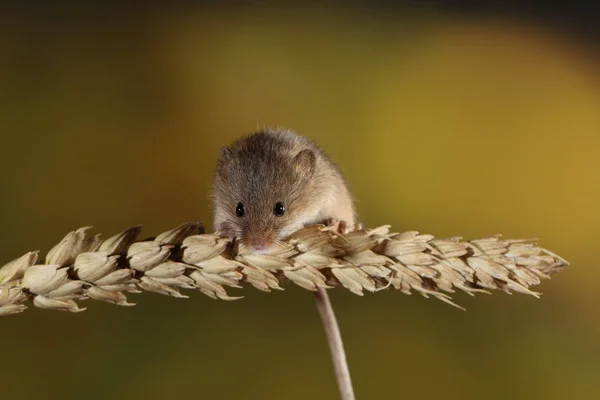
<point x="463" y="120"/>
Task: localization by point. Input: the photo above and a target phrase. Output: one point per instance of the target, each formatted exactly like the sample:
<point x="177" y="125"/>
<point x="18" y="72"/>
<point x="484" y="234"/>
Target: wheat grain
<point x="82" y="266"/>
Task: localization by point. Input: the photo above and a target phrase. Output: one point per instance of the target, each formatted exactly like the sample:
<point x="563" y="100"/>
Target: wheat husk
<point x="83" y="266"/>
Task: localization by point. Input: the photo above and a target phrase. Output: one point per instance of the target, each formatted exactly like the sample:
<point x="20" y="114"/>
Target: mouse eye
<point x="239" y="210"/>
<point x="279" y="209"/>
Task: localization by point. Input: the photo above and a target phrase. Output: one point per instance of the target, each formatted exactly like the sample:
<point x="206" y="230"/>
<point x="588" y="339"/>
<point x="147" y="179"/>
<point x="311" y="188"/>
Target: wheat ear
<point x="82" y="266"/>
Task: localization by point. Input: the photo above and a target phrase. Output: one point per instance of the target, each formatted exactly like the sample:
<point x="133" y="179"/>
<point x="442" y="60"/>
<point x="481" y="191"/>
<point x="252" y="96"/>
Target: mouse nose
<point x="259" y="243"/>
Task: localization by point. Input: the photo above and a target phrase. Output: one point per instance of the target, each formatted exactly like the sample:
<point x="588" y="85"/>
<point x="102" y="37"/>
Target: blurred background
<point x="470" y="119"/>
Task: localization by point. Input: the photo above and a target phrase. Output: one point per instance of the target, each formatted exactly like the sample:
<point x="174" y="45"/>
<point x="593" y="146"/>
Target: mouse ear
<point x="224" y="156"/>
<point x="304" y="162"/>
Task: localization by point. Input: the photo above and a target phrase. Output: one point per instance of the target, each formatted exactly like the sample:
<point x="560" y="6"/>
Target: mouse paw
<point x="225" y="231"/>
<point x="340" y="226"/>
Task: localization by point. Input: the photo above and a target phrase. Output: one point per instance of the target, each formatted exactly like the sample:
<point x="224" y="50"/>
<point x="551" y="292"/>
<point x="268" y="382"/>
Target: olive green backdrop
<point x="443" y="123"/>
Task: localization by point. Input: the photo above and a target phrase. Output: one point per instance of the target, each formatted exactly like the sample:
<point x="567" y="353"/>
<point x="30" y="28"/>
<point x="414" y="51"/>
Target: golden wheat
<point x="82" y="266"/>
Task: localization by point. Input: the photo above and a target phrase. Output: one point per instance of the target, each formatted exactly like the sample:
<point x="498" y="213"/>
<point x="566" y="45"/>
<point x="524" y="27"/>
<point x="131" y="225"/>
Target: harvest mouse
<point x="271" y="183"/>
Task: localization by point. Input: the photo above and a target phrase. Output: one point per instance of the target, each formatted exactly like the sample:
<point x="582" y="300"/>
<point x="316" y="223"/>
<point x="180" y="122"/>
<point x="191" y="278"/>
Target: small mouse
<point x="271" y="183"/>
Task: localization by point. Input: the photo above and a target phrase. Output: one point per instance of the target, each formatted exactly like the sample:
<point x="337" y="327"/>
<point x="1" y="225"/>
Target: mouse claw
<point x="332" y="224"/>
<point x="337" y="226"/>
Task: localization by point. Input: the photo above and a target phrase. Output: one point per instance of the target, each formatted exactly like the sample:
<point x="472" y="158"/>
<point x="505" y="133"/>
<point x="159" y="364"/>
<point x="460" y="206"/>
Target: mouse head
<point x="262" y="194"/>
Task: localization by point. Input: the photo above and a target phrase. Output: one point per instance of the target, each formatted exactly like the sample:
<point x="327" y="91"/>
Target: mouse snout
<point x="259" y="242"/>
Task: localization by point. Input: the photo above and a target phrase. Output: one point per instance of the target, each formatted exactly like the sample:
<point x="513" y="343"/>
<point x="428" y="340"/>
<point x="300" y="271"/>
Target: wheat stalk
<point x="82" y="266"/>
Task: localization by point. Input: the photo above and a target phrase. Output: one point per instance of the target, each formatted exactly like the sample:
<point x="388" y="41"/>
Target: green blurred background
<point x="447" y="120"/>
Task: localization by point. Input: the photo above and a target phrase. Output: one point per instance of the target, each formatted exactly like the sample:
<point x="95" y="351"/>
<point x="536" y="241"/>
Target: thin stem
<point x="336" y="347"/>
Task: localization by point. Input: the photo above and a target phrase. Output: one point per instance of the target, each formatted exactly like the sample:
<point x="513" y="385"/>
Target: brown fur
<point x="265" y="167"/>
